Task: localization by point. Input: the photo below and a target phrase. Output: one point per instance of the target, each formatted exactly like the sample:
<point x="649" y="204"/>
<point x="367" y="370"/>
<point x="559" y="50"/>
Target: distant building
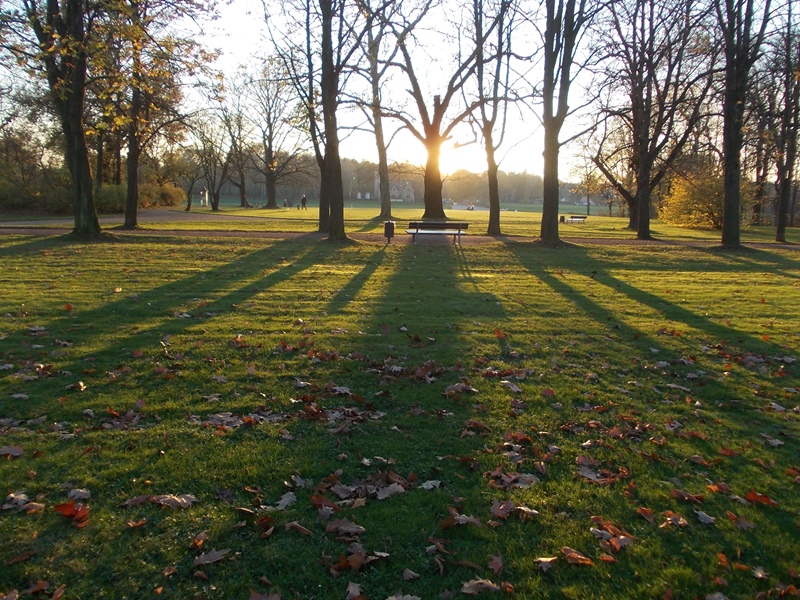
<point x="398" y="192"/>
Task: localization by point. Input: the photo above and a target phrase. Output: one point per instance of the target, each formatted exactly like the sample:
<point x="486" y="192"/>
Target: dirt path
<point x="59" y="226"/>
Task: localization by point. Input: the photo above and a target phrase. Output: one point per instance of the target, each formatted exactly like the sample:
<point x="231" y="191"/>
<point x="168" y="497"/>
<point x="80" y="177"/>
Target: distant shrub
<point x="152" y="195"/>
<point x="695" y="201"/>
<point x="110" y="199"/>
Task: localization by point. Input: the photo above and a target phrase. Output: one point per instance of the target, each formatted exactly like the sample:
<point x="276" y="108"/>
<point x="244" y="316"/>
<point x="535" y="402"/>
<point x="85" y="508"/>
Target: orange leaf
<point x="575" y="558"/>
<point x="499" y="334"/>
<point x="758" y="498"/>
<point x="646" y="513"/>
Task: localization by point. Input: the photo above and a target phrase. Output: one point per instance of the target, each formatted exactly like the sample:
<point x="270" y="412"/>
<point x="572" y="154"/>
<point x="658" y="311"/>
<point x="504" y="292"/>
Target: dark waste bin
<point x="388" y="231"/>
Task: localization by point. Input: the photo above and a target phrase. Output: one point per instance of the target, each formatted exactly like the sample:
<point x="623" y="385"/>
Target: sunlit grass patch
<point x="474" y="409"/>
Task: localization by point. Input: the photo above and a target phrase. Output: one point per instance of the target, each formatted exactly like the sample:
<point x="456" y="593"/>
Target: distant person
<point x="204" y="196"/>
<point x="285" y="203"/>
<point x="303" y="202"/>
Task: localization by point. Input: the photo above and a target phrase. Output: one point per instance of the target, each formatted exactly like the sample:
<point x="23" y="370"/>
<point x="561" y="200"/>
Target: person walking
<point x="303" y="202"/>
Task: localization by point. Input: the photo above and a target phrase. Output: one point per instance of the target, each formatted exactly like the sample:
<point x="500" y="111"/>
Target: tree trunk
<point x="643" y="203"/>
<point x="494" y="185"/>
<point x="272" y="193"/>
<point x="215" y="199"/>
<point x="132" y="162"/>
<point x="433" y="179"/>
<point x="98" y="172"/>
<point x="549" y="229"/>
<point x="732" y="140"/>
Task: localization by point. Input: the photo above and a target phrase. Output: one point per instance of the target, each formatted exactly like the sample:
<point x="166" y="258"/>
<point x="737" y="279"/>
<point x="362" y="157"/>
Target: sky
<point x="240" y="33"/>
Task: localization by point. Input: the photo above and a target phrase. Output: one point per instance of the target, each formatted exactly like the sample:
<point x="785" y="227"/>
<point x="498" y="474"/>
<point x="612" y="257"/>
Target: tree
<point x="277" y="119"/>
<point x="658" y="75"/>
<point x="742" y="39"/>
<point x="316" y="47"/>
<point x="565" y="23"/>
<point x="432" y="127"/>
<point x="57" y="39"/>
<point x="211" y="150"/>
<point x="493" y="69"/>
<point x="785" y="59"/>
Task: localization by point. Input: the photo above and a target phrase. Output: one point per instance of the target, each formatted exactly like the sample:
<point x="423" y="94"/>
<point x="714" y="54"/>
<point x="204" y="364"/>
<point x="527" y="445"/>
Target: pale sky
<point x="240" y="35"/>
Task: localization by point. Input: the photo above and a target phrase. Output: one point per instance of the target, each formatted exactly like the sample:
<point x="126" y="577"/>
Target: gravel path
<point x="56" y="226"/>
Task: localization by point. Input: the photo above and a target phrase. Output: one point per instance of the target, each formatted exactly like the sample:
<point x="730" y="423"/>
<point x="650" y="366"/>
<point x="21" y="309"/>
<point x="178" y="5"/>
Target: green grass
<point x="601" y="341"/>
<point x="517" y="221"/>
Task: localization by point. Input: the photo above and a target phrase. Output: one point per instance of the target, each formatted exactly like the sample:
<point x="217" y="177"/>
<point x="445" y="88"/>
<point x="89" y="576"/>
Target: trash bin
<point x="388" y="231"/>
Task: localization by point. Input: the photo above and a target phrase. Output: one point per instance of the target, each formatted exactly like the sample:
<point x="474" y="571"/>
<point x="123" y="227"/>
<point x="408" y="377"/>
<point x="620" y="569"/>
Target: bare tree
<point x="493" y="70"/>
<point x="658" y="72"/>
<point x="785" y="62"/>
<point x="742" y="39"/>
<point x="276" y="117"/>
<point x="317" y="45"/>
<point x="431" y="126"/>
<point x="565" y="24"/>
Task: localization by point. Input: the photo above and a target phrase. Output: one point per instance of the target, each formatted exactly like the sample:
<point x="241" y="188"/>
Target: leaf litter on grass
<point x="661" y="420"/>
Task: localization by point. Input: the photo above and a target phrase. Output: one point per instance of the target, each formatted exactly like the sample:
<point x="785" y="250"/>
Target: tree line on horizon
<point x="691" y="107"/>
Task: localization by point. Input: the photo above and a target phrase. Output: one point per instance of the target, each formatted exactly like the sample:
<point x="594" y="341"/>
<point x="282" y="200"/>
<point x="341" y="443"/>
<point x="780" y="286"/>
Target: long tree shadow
<point x="179" y="305"/>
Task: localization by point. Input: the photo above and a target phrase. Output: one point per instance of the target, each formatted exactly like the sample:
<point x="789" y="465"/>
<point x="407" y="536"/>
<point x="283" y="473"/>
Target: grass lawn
<point x="240" y="418"/>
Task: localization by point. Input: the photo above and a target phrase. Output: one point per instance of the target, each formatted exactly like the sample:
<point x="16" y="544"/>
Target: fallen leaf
<point x="295" y="526"/>
<point x="704" y="518"/>
<point x="646" y="513"/>
<point x="758" y="498"/>
<point x="11" y="451"/>
<point x="208" y="558"/>
<point x="575" y="558"/>
<point x="172" y="501"/>
<point x="254" y="595"/>
<point x="496" y="564"/>
<point x="353" y="591"/>
<point x="476" y="586"/>
<point x="545" y="563"/>
<point x="408" y="575"/>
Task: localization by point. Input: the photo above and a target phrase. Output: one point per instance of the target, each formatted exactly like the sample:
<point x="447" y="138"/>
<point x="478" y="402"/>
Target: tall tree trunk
<point x="433" y="179"/>
<point x="732" y="140"/>
<point x="643" y="209"/>
<point x="132" y="162"/>
<point x="98" y="172"/>
<point x="384" y="191"/>
<point x="494" y="185"/>
<point x="272" y="193"/>
<point x="549" y="229"/>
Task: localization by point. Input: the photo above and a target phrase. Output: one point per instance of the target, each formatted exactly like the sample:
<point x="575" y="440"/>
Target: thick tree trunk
<point x="642" y="201"/>
<point x="77" y="154"/>
<point x="433" y="180"/>
<point x="272" y="193"/>
<point x="132" y="163"/>
<point x="494" y="186"/>
<point x="732" y="141"/>
<point x="549" y="229"/>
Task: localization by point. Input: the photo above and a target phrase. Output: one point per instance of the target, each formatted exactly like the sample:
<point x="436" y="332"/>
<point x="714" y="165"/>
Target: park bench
<point x="454" y="228"/>
<point x="577" y="219"/>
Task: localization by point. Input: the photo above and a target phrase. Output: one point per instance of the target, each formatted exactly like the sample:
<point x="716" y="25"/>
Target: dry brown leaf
<point x="173" y="501"/>
<point x="545" y="563"/>
<point x="575" y="558"/>
<point x="208" y="558"/>
<point x="254" y="595"/>
<point x="353" y="591"/>
<point x="496" y="564"/>
<point x="476" y="586"/>
<point x="646" y="513"/>
<point x="408" y="575"/>
<point x="295" y="526"/>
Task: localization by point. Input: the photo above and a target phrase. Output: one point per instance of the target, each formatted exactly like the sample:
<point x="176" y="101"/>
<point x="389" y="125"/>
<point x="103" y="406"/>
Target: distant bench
<point x="579" y="219"/>
<point x="453" y="228"/>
